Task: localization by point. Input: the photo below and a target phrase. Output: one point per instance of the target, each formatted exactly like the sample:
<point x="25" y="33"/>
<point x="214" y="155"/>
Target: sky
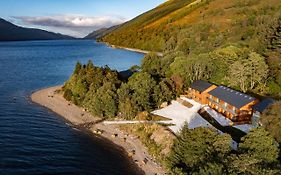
<point x="73" y="17"/>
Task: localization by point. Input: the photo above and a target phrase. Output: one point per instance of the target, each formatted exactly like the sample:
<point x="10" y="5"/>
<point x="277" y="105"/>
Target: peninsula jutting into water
<point x="34" y="139"/>
<point x="78" y="117"/>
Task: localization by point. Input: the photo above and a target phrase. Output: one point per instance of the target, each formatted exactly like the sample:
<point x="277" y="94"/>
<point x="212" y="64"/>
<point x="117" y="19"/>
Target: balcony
<point x="213" y="101"/>
<point x="225" y="108"/>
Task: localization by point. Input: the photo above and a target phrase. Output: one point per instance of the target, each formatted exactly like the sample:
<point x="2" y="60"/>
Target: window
<point x="225" y="104"/>
<point x="217" y="100"/>
<point x="211" y="97"/>
<point x="234" y="109"/>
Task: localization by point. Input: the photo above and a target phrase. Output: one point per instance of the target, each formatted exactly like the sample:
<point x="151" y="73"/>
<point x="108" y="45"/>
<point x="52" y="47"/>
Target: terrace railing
<point x="223" y="107"/>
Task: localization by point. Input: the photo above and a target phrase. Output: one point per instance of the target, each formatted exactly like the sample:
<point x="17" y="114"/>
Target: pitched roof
<point x="200" y="85"/>
<point x="232" y="97"/>
<point x="263" y="104"/>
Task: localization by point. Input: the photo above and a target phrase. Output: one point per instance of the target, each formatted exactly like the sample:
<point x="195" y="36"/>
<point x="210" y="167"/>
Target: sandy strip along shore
<point x="132" y="49"/>
<point x="78" y="117"/>
<point x="136" y="50"/>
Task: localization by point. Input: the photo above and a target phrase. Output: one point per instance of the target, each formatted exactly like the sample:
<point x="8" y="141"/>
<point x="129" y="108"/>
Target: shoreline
<point x="78" y="117"/>
<point x="132" y="49"/>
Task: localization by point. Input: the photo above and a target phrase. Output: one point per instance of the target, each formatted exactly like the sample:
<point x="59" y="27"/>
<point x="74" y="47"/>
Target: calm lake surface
<point x="34" y="140"/>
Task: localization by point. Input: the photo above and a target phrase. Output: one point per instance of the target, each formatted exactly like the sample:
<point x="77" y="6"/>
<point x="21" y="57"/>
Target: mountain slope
<point x="224" y="20"/>
<point x="190" y="31"/>
<point x="11" y="32"/>
<point x="101" y="32"/>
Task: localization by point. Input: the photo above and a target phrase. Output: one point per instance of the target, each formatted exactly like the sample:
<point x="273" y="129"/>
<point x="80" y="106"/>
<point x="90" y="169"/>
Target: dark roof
<point x="200" y="85"/>
<point x="126" y="74"/>
<point x="263" y="104"/>
<point x="232" y="97"/>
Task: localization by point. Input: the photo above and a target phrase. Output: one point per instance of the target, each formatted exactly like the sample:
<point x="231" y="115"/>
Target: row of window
<point x="217" y="100"/>
<point x="194" y="91"/>
<point x="224" y="105"/>
<point x="234" y="110"/>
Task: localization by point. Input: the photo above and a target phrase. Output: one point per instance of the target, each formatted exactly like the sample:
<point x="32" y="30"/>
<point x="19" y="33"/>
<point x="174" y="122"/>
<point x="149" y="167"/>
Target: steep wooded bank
<point x="221" y="33"/>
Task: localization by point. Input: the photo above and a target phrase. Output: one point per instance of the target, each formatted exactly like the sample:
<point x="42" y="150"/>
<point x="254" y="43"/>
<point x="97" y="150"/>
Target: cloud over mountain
<point x="79" y="24"/>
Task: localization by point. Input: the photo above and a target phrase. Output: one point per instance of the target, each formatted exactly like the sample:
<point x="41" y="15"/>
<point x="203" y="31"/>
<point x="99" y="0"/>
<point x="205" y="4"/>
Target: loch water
<point x="34" y="140"/>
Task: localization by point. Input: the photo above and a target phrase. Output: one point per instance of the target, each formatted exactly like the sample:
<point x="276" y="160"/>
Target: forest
<point x="103" y="93"/>
<point x="218" y="31"/>
<point x="231" y="43"/>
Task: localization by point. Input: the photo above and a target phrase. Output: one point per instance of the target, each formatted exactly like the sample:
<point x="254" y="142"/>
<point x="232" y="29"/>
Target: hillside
<point x="225" y="20"/>
<point x="11" y="32"/>
<point x="100" y="33"/>
<point x="217" y="28"/>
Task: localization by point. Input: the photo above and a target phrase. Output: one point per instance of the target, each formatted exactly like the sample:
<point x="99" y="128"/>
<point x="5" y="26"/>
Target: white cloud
<point x="79" y="24"/>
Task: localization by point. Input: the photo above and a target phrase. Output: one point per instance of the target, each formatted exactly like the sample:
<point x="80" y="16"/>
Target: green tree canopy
<point x="260" y="145"/>
<point x="151" y="64"/>
<point x="271" y="120"/>
<point x="103" y="102"/>
<point x="248" y="71"/>
<point x="77" y="68"/>
<point x="142" y="86"/>
<point x="192" y="68"/>
<point x="193" y="149"/>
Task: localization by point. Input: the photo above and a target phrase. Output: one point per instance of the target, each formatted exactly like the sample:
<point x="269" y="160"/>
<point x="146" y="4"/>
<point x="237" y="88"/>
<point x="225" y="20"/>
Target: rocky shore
<point x="78" y="117"/>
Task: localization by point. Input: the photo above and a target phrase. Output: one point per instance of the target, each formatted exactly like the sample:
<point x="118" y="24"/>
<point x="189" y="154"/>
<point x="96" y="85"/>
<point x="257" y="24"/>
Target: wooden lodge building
<point x="236" y="106"/>
<point x="198" y="91"/>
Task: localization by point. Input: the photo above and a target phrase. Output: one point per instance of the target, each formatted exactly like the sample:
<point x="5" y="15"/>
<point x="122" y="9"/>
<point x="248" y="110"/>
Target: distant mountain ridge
<point x="101" y="32"/>
<point x="11" y="32"/>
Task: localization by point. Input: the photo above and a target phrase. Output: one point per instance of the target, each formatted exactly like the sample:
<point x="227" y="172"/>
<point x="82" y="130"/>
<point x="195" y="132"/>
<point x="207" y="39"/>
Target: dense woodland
<point x="104" y="94"/>
<point x="101" y="91"/>
<point x="202" y="151"/>
<point x="213" y="32"/>
<point x="235" y="43"/>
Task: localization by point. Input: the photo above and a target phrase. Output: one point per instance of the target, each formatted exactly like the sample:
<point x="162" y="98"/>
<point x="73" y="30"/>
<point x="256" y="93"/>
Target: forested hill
<point x="220" y="32"/>
<point x="214" y="21"/>
<point x="11" y="32"/>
